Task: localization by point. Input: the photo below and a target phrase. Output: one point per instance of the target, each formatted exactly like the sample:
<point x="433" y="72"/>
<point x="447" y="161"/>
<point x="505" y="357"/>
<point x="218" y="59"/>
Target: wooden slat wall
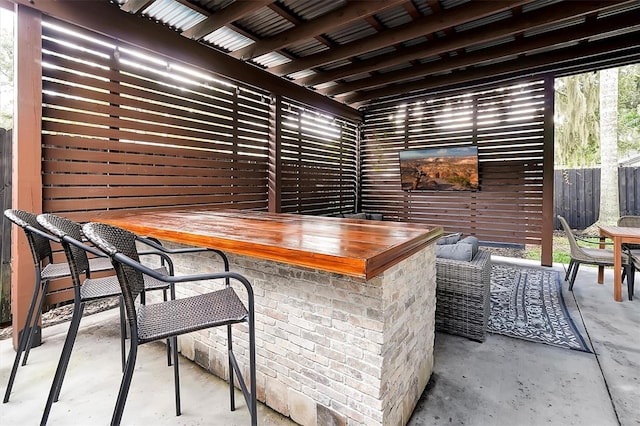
<point x="130" y="130"/>
<point x="125" y="130"/>
<point x="318" y="162"/>
<point x="505" y="123"/>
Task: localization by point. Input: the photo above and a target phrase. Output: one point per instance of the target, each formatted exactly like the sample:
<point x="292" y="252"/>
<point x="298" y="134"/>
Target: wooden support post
<point x="548" y="173"/>
<point x="27" y="154"/>
<point x="275" y="137"/>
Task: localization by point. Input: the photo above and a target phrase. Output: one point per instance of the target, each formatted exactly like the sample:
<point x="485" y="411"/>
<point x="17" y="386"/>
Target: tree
<point x="587" y="135"/>
<point x="609" y="200"/>
<point x="577" y="117"/>
<point x="609" y="197"/>
<point x="629" y="111"/>
<point x="576" y="121"/>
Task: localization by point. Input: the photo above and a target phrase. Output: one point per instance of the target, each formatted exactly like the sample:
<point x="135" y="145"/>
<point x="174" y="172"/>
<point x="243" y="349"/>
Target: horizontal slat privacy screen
<point x="318" y="162"/>
<point x="505" y="123"/>
<point x="125" y="130"/>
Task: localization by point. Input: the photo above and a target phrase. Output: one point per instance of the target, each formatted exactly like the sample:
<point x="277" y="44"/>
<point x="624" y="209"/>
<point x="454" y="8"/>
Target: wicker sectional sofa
<point x="463" y="300"/>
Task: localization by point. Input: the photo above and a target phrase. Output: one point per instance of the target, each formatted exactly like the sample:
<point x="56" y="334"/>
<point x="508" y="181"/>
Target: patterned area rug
<point x="527" y="303"/>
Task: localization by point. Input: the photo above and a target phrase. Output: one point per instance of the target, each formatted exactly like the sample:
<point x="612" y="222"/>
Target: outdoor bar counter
<point x="344" y="307"/>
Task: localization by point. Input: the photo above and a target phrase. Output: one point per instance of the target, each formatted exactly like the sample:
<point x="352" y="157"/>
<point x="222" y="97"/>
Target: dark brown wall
<point x="507" y="126"/>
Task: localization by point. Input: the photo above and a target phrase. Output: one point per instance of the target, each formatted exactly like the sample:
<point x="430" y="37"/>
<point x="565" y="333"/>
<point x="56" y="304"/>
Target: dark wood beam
<point x="286" y="13"/>
<point x="411" y="10"/>
<point x="295" y="20"/>
<point x="417" y="28"/>
<point x="194" y="6"/>
<point x="526" y="21"/>
<point x="341" y="17"/>
<point x="135" y="6"/>
<point x="620" y="46"/>
<point x="235" y="27"/>
<point x="107" y="19"/>
<point x="577" y="33"/>
<point x="233" y="12"/>
<point x="437" y="8"/>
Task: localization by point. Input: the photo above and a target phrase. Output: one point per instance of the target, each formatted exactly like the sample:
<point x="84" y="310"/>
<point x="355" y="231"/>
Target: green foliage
<point x="577" y="116"/>
<point x="559" y="255"/>
<point x="629" y="110"/>
<point x="6" y="79"/>
<point x="577" y="120"/>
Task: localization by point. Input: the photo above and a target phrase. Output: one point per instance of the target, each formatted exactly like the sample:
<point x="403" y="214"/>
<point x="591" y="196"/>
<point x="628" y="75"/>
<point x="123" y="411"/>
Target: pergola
<point x="370" y="71"/>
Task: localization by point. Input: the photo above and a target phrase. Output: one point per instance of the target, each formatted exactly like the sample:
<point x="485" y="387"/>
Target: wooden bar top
<point x="354" y="247"/>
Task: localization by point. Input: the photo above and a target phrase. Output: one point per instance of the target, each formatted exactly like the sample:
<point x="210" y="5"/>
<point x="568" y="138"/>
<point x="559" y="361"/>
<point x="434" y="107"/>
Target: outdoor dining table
<point x="345" y="308"/>
<point x="619" y="235"/>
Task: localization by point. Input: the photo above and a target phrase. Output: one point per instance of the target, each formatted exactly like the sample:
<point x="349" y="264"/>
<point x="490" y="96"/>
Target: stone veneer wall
<point x="330" y="349"/>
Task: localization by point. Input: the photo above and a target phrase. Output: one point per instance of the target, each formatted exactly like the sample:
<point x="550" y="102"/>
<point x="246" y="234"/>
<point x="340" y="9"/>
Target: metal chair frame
<point x="119" y="244"/>
<point x="634" y="260"/>
<point x="633" y="251"/>
<point x="88" y="289"/>
<point x="46" y="270"/>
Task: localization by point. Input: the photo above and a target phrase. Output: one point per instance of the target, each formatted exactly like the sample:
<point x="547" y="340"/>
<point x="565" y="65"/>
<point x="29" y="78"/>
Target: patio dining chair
<point x="587" y="255"/>
<point x="148" y="323"/>
<point x="46" y="270"/>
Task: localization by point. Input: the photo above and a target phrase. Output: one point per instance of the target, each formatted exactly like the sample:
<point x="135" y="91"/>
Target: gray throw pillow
<point x="449" y="239"/>
<point x="374" y="216"/>
<point x="356" y="215"/>
<point x="475" y="243"/>
<point x="463" y="252"/>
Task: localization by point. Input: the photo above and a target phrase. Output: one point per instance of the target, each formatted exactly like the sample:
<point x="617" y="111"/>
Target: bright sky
<point x="6" y="19"/>
<point x="6" y="92"/>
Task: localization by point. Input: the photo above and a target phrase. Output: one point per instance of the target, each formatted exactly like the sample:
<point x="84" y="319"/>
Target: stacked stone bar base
<point x="330" y="349"/>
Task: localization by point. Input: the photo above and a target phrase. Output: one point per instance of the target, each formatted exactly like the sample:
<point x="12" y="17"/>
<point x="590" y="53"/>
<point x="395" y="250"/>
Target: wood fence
<point x="5" y="226"/>
<point x="577" y="195"/>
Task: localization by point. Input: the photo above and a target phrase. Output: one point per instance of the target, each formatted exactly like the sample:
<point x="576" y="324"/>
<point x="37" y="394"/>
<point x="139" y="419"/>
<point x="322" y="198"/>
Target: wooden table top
<point x="621" y="231"/>
<point x="358" y="248"/>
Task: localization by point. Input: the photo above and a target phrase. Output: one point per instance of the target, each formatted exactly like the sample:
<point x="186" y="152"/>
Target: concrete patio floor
<point x="503" y="381"/>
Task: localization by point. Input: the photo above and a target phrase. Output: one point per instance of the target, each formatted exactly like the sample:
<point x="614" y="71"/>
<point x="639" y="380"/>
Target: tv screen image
<point x="439" y="169"/>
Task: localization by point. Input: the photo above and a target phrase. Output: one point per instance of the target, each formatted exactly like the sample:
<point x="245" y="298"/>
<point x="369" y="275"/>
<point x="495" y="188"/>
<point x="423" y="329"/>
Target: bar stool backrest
<point x="76" y="256"/>
<point x="112" y="240"/>
<point x="40" y="246"/>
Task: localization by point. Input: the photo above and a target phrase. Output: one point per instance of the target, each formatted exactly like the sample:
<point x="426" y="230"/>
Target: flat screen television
<point x="439" y="169"/>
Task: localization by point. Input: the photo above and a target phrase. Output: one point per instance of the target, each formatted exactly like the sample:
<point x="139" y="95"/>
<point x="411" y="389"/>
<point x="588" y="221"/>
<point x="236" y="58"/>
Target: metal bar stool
<point x="45" y="270"/>
<point x="169" y="319"/>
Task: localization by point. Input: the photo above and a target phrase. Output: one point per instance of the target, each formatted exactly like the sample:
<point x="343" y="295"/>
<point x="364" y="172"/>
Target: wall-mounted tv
<point x="439" y="169"/>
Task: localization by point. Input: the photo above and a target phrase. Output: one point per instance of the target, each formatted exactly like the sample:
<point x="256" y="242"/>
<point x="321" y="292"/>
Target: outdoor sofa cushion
<point x="449" y="239"/>
<point x="464" y="249"/>
<point x="369" y="216"/>
<point x="355" y="215"/>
